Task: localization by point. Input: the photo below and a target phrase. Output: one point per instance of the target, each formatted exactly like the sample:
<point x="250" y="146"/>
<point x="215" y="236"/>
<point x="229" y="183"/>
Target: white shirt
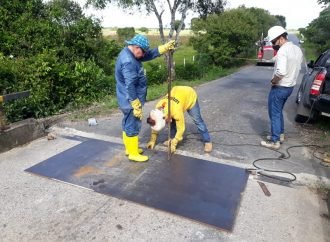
<point x="288" y="64"/>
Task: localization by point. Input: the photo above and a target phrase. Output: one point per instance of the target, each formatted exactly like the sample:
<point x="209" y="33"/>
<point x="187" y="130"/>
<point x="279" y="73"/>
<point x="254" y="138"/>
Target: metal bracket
<point x="7" y="98"/>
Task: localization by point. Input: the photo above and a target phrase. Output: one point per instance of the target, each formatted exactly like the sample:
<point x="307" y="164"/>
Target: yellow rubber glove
<point x="174" y="143"/>
<point x="137" y="108"/>
<point x="152" y="142"/>
<point x="166" y="47"/>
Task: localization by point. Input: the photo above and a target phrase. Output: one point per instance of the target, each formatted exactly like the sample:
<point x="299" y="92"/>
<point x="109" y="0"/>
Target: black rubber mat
<point x="197" y="189"/>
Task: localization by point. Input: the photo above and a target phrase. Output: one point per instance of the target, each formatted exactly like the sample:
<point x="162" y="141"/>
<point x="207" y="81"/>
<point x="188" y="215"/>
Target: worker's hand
<point x="152" y="142"/>
<point x="272" y="82"/>
<point x="166" y="47"/>
<point x="276" y="79"/>
<point x="137" y="108"/>
<point x="174" y="143"/>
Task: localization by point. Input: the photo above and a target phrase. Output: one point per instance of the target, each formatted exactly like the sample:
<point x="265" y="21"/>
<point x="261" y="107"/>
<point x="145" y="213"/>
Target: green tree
<point x="158" y="8"/>
<point x="177" y="25"/>
<point x="281" y="20"/>
<point x="264" y="20"/>
<point x="18" y="40"/>
<point x="225" y="37"/>
<point x="208" y="7"/>
<point x="317" y="32"/>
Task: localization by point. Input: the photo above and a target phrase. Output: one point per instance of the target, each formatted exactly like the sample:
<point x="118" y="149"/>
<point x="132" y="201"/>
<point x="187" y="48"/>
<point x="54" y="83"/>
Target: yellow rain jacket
<point x="183" y="98"/>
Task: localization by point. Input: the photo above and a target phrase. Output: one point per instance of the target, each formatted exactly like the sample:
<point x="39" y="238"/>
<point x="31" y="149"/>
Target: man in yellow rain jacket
<point x="183" y="99"/>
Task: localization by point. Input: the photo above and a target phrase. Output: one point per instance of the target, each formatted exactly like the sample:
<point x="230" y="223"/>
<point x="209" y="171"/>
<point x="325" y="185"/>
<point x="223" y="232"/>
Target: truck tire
<point x="300" y="119"/>
<point x="305" y="115"/>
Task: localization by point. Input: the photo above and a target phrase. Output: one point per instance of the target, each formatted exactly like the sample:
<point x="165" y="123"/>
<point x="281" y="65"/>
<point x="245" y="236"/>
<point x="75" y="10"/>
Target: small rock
<point x="51" y="136"/>
<point x="92" y="122"/>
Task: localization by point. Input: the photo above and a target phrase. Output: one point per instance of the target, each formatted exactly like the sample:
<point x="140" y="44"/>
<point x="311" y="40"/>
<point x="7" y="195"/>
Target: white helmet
<point x="274" y="32"/>
<point x="158" y="116"/>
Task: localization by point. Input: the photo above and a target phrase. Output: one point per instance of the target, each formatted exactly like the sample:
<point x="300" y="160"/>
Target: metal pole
<point x="169" y="87"/>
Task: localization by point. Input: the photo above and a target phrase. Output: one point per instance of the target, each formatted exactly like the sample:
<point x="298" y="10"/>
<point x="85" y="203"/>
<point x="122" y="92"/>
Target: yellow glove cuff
<point x="174" y="141"/>
<point x="136" y="104"/>
<point x="162" y="49"/>
<point x="152" y="142"/>
<point x="153" y="136"/>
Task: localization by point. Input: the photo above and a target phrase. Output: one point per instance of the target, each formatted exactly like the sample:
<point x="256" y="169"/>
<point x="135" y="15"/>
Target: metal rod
<point x="14" y="96"/>
<point x="169" y="87"/>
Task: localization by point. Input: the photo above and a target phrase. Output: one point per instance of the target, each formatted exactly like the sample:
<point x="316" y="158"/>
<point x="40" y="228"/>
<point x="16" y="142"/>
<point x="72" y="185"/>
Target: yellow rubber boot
<point x="124" y="141"/>
<point x="132" y="144"/>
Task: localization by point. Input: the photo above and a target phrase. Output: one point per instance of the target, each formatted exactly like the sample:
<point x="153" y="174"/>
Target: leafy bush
<point x="225" y="37"/>
<point x="59" y="55"/>
<point x="144" y="30"/>
<point x="53" y="85"/>
<point x="156" y="74"/>
<point x="189" y="72"/>
<point x="125" y="33"/>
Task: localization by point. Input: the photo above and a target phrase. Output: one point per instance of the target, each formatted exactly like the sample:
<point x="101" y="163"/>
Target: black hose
<point x="261" y="171"/>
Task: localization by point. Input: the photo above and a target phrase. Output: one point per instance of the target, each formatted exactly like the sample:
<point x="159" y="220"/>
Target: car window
<point x="321" y="60"/>
<point x="327" y="62"/>
<point x="317" y="62"/>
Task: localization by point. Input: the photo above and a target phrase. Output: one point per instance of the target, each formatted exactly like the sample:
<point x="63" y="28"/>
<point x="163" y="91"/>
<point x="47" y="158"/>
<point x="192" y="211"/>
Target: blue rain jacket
<point x="131" y="83"/>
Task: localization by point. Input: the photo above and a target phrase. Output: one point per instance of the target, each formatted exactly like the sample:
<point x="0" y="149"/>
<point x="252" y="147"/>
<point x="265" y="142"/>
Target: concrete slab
<point x="34" y="208"/>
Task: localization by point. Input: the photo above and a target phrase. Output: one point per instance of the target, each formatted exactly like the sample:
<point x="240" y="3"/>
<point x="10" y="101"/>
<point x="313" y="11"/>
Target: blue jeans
<point x="130" y="124"/>
<point x="276" y="100"/>
<point x="196" y="116"/>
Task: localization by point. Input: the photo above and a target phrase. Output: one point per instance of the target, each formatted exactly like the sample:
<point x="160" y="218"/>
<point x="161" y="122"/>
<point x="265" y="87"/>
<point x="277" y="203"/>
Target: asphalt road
<point x="235" y="110"/>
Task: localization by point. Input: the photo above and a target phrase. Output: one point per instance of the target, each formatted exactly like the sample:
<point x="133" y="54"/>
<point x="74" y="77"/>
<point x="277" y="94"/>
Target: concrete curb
<point x="21" y="133"/>
<point x="25" y="131"/>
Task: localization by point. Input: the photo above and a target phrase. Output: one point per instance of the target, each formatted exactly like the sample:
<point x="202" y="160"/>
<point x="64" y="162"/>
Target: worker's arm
<point x="178" y="118"/>
<point x="180" y="125"/>
<point x="160" y="50"/>
<point x="281" y="68"/>
<point x="276" y="79"/>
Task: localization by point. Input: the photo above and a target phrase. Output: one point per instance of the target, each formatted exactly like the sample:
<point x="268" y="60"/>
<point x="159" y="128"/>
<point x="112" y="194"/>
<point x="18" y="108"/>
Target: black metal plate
<point x="197" y="189"/>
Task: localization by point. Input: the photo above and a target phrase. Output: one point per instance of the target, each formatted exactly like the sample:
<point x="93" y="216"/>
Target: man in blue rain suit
<point x="131" y="89"/>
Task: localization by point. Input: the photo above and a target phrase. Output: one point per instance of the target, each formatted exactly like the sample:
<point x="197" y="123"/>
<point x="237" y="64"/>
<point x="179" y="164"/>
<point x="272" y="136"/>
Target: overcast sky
<point x="298" y="13"/>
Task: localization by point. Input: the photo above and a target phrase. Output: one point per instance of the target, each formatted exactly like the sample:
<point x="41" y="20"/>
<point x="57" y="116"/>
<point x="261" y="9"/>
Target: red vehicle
<point x="265" y="53"/>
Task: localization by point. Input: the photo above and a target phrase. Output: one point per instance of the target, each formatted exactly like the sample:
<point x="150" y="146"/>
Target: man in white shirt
<point x="286" y="70"/>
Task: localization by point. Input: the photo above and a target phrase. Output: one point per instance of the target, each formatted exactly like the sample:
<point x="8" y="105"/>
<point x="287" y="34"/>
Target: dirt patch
<point x="85" y="170"/>
<point x="313" y="134"/>
<point x="115" y="161"/>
